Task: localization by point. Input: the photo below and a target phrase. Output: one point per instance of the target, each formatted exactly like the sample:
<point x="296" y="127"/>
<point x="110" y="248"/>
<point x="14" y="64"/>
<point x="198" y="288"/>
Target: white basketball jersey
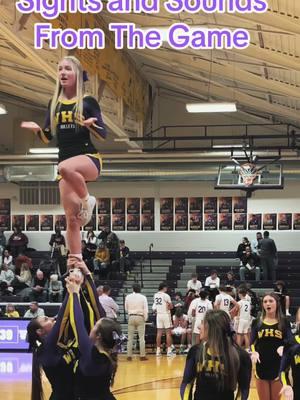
<point x="224" y="301"/>
<point x="160" y="303"/>
<point x="245" y="308"/>
<point x="202" y="306"/>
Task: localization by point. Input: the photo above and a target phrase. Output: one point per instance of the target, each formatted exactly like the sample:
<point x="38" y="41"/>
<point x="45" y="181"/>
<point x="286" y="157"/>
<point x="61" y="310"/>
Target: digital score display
<point x="13" y="334"/>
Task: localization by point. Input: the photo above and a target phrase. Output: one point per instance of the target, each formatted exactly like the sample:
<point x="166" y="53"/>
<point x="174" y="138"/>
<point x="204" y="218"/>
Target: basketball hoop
<point x="248" y="173"/>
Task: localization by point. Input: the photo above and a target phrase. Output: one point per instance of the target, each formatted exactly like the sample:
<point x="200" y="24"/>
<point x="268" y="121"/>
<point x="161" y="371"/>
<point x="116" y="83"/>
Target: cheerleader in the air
<point x="72" y="117"/>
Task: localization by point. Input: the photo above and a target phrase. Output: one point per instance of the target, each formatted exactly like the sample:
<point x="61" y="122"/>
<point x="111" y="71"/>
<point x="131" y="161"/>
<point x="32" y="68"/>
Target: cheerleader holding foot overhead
<point x="97" y="364"/>
<point x="72" y="117"/>
<point x="269" y="334"/>
<point x="217" y="366"/>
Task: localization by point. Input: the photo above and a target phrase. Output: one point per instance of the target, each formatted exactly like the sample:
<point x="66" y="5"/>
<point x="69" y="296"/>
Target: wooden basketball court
<point x="155" y="379"/>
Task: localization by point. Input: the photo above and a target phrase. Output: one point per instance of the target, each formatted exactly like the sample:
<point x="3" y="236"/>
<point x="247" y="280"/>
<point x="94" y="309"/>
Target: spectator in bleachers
<point x="6" y="275"/>
<point x="55" y="289"/>
<point x="22" y="259"/>
<point x="17" y="242"/>
<point x="111" y="241"/>
<point x="39" y="287"/>
<point x="11" y="312"/>
<point x="22" y="281"/>
<point x="34" y="311"/>
<point x="101" y="261"/>
<point x="268" y="256"/>
<point x="7" y="259"/>
<point x="249" y="263"/>
<point x="255" y="242"/>
<point x="194" y="283"/>
<point x="136" y="306"/>
<point x="6" y="291"/>
<point x="191" y="294"/>
<point x="230" y="282"/>
<point x="181" y="329"/>
<point x="91" y="242"/>
<point x="125" y="260"/>
<point x="57" y="243"/>
<point x="110" y="306"/>
<point x="212" y="283"/>
<point x="178" y="300"/>
<point x="91" y="238"/>
<point x="100" y="290"/>
<point x="281" y="291"/>
<point x="87" y="256"/>
<point x="241" y="250"/>
<point x="2" y="242"/>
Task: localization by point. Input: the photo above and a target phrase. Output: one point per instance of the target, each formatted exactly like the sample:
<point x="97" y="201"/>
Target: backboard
<point x="267" y="177"/>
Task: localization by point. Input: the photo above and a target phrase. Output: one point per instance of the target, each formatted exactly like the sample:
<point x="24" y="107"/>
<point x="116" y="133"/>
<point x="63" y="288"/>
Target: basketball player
<point x="269" y="333"/>
<point x="198" y="309"/>
<point x="216" y="366"/>
<point x="72" y="117"/>
<point x="243" y="319"/>
<point x="224" y="301"/>
<point x="162" y="305"/>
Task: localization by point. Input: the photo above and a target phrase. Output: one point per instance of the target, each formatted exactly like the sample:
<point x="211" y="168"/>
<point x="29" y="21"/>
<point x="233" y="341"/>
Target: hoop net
<point x="248" y="173"/>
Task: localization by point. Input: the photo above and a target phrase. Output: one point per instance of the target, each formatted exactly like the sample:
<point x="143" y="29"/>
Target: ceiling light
<point x="229" y="146"/>
<point x="3" y="109"/>
<point x="211" y="107"/>
<point x="44" y="150"/>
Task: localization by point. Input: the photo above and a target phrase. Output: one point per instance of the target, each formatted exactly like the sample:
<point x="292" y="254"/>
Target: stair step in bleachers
<point x="212" y="262"/>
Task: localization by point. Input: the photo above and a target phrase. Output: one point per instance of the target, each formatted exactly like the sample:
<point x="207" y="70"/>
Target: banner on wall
<point x="296" y="221"/>
<point x="225" y="221"/>
<point x="118" y="205"/>
<point x="92" y="223"/>
<point x="196" y="223"/>
<point x="254" y="222"/>
<point x="239" y="204"/>
<point x="270" y="221"/>
<point x="239" y="221"/>
<point x="148" y="205"/>
<point x="18" y="220"/>
<point x="181" y="222"/>
<point x="104" y="206"/>
<point x="210" y="221"/>
<point x="133" y="206"/>
<point x="166" y="205"/>
<point x="181" y="205"/>
<point x="4" y="206"/>
<point x="284" y="221"/>
<point x="103" y="221"/>
<point x="118" y="222"/>
<point x="210" y="205"/>
<point x="60" y="221"/>
<point x="5" y="222"/>
<point x="46" y="222"/>
<point x="133" y="222"/>
<point x="32" y="222"/>
<point x="196" y="204"/>
<point x="225" y="205"/>
<point x="147" y="222"/>
<point x="166" y="222"/>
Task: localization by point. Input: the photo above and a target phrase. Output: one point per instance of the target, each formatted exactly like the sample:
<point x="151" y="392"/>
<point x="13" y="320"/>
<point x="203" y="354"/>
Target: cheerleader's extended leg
<point x="71" y="203"/>
<point x="76" y="171"/>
